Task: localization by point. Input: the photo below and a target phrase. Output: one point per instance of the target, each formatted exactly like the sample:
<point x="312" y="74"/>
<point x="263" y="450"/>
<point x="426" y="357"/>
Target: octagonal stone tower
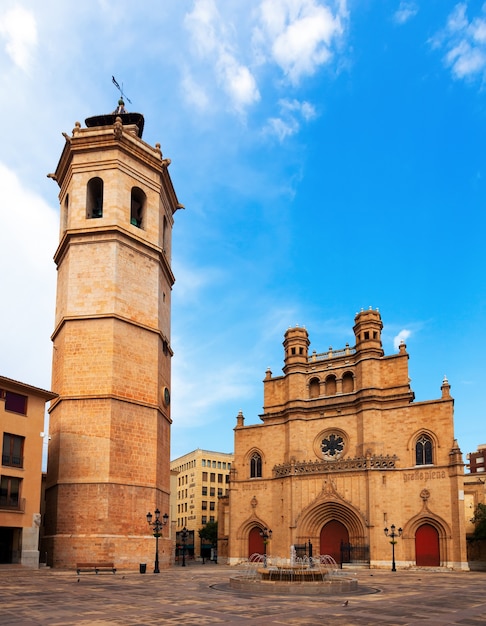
<point x="109" y="455"/>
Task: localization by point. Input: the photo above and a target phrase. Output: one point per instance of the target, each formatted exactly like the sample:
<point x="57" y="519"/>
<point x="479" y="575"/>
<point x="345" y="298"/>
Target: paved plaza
<point x="199" y="594"/>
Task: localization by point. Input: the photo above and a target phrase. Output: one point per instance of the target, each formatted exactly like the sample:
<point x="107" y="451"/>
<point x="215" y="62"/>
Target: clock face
<point x="166" y="396"/>
<point x="332" y="446"/>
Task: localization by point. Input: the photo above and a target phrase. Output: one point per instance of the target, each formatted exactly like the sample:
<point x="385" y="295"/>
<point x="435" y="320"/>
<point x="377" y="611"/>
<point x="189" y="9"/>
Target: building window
<point x="212" y="491"/>
<point x="211" y="506"/>
<point x="204" y="519"/>
<point x="423" y="451"/>
<point x="214" y="464"/>
<point x="204" y="505"/>
<point x="211" y="518"/>
<point x="348" y="383"/>
<point x="220" y="478"/>
<point x="226" y="479"/>
<point x="94" y="198"/>
<point x="137" y="206"/>
<point x="330" y="386"/>
<point x="314" y="388"/>
<point x="13" y="450"/>
<point x="205" y="477"/>
<point x="220" y="491"/>
<point x="10" y="492"/>
<point x="255" y="465"/>
<point x="219" y="464"/>
<point x="15" y="402"/>
<point x="203" y="462"/>
<point x="204" y="491"/>
<point x="212" y="477"/>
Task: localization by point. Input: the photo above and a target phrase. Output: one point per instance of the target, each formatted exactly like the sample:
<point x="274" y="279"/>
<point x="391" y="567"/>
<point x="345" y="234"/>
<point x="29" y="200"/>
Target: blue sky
<point x="331" y="156"/>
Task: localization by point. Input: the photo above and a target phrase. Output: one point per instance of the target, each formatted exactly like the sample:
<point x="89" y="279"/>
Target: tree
<point x="209" y="533"/>
<point x="479" y="520"/>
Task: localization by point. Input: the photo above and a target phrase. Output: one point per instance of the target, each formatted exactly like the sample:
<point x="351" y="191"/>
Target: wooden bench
<point x="96" y="567"/>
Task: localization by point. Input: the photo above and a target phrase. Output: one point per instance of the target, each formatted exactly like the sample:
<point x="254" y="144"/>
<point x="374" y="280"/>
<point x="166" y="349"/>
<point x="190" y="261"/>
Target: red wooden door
<point x="332" y="534"/>
<point x="427" y="552"/>
<point x="255" y="542"/>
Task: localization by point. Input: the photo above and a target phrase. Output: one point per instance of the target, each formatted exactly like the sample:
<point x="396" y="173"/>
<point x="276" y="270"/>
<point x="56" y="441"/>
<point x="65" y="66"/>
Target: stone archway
<point x="327" y="522"/>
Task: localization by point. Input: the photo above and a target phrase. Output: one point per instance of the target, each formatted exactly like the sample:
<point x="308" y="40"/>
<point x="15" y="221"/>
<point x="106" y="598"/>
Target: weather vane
<point x="120" y="89"/>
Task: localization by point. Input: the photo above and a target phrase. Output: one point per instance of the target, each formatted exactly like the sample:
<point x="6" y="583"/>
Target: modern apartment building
<point x="202" y="478"/>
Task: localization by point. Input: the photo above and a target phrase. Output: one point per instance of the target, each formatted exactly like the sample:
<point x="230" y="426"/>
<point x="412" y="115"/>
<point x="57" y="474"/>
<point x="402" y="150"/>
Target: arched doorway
<point x="427" y="551"/>
<point x="332" y="535"/>
<point x="255" y="542"/>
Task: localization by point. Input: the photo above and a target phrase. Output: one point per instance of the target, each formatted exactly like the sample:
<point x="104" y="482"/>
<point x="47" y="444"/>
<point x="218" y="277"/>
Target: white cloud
<point x="401" y="337"/>
<point x="464" y="42"/>
<point x="299" y="34"/>
<point x="405" y="12"/>
<point x="194" y="92"/>
<point x="291" y="112"/>
<point x="18" y="29"/>
<point x="28" y="240"/>
<point x="213" y="42"/>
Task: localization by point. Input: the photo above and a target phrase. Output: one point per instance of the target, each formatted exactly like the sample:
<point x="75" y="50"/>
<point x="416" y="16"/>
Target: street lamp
<point x="184" y="536"/>
<point x="157" y="525"/>
<point x="392" y="534"/>
<point x="266" y="535"/>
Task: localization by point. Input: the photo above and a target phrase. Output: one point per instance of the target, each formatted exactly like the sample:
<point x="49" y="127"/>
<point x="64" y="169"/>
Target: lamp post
<point x="392" y="534"/>
<point x="157" y="526"/>
<point x="184" y="536"/>
<point x="266" y="535"/>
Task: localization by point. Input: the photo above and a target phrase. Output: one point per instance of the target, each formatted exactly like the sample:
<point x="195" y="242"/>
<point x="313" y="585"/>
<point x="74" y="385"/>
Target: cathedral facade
<point x="345" y="463"/>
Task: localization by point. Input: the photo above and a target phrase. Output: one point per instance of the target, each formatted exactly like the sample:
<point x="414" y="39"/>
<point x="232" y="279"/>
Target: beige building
<point x="109" y="456"/>
<point x="474" y="494"/>
<point x="202" y="478"/>
<point x="343" y="453"/>
<point x="22" y="411"/>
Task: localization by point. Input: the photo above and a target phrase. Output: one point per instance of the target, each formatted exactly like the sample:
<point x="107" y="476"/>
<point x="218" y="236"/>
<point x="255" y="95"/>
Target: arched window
<point x="423" y="451"/>
<point x="330" y="386"/>
<point x="314" y="388"/>
<point x="348" y="382"/>
<point x="255" y="465"/>
<point x="164" y="235"/>
<point x="137" y="206"/>
<point x="65" y="212"/>
<point x="94" y="198"/>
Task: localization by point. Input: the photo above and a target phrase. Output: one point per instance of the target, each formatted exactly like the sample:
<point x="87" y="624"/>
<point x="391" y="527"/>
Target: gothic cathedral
<point x="343" y="458"/>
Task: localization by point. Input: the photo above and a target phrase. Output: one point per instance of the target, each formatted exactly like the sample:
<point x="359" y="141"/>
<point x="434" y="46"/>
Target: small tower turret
<point x="367" y="330"/>
<point x="296" y="346"/>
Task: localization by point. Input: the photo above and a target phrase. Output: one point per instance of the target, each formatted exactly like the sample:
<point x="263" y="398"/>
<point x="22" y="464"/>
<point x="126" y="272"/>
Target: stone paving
<point x="200" y="595"/>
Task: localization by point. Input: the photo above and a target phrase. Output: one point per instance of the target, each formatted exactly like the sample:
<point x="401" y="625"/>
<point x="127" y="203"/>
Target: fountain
<point x="318" y="575"/>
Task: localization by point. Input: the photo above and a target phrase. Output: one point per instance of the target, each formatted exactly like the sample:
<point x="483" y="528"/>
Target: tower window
<point x="366" y="334"/>
<point x="137" y="206"/>
<point x="255" y="465"/>
<point x="423" y="451"/>
<point x="94" y="198"/>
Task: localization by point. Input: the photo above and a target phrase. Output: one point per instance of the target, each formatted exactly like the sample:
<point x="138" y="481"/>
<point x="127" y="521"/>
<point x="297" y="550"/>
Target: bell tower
<point x="109" y="454"/>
